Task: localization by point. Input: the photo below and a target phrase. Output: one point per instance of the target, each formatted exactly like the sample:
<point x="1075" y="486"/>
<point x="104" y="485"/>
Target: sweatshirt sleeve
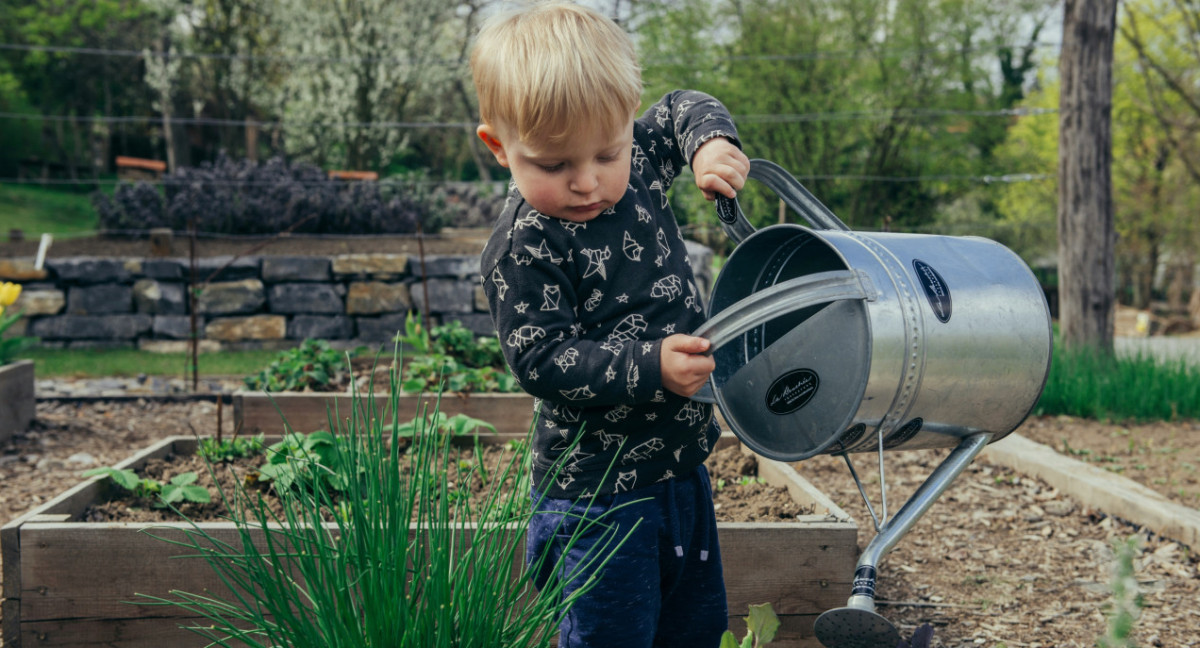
<point x="678" y="124"/>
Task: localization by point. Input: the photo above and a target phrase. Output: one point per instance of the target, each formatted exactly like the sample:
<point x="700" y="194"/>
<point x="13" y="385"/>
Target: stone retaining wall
<point x="267" y="302"/>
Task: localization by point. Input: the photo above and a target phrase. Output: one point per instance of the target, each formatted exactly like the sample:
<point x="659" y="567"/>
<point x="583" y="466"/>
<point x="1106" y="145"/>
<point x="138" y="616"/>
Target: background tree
<point x="236" y="74"/>
<point x="72" y="88"/>
<point x="1085" y="207"/>
<point x="1164" y="36"/>
<point x="379" y="56"/>
<point x="1154" y="195"/>
<point x="886" y="115"/>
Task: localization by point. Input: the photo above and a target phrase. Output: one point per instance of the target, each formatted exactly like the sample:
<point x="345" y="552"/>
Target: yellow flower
<point x="8" y="294"/>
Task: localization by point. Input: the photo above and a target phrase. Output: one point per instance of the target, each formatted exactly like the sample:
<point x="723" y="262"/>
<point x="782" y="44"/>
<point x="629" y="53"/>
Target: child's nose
<point x="586" y="181"/>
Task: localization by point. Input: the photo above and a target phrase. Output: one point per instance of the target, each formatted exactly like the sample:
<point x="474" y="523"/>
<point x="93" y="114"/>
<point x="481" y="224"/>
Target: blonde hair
<point x="548" y="69"/>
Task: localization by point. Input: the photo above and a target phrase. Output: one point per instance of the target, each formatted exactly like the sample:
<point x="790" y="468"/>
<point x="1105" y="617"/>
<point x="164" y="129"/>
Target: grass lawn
<point x="94" y="363"/>
<point x="42" y="210"/>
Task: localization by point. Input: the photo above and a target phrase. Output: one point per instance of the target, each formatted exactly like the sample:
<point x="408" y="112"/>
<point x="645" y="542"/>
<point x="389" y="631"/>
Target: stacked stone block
<point x="267" y="302"/>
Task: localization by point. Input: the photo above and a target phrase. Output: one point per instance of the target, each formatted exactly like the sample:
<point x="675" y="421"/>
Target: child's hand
<point x="684" y="368"/>
<point x="720" y="168"/>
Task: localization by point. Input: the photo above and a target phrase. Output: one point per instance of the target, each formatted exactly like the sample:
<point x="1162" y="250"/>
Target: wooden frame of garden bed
<point x="255" y="412"/>
<point x="65" y="582"/>
<point x="17" y="404"/>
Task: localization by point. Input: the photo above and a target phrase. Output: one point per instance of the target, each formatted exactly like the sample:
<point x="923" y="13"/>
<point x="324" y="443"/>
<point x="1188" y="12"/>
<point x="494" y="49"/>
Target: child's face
<point x="574" y="180"/>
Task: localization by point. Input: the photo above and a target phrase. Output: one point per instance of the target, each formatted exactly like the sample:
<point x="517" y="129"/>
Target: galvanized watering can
<point x="829" y="341"/>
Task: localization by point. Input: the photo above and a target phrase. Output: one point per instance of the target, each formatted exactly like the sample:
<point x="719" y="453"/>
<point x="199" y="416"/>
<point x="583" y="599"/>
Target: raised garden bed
<point x="16" y="398"/>
<point x="65" y="582"/>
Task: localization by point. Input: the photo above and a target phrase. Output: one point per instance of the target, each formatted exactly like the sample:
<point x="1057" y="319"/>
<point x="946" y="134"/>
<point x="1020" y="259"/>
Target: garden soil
<point x="1001" y="559"/>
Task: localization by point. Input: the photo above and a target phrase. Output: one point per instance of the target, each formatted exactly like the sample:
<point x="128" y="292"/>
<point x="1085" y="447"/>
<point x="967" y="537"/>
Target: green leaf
<point x="183" y="479"/>
<point x="461" y="424"/>
<point x="763" y="622"/>
<point x="198" y="494"/>
<point x="728" y="640"/>
<point x="124" y="478"/>
<point x="317" y="439"/>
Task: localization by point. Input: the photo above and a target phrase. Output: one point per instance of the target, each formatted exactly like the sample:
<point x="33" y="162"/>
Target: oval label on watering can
<point x="936" y="290"/>
<point x="903" y="434"/>
<point x="727" y="210"/>
<point x="792" y="390"/>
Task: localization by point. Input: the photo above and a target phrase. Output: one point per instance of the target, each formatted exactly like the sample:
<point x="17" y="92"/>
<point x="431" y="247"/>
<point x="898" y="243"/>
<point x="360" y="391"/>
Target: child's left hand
<point x="720" y="168"/>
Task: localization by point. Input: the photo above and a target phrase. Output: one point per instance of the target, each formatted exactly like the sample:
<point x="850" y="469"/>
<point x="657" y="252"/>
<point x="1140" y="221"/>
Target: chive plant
<point x="393" y="560"/>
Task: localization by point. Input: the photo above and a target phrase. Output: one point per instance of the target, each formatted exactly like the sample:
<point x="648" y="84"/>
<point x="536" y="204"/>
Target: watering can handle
<point x="789" y="189"/>
<point x="782" y="298"/>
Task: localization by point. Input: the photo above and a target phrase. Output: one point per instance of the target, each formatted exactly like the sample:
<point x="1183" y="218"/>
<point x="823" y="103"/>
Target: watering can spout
<point x="858" y="625"/>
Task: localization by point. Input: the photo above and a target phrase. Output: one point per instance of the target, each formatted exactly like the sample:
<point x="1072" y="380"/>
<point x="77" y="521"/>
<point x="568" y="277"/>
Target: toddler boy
<point x="592" y="294"/>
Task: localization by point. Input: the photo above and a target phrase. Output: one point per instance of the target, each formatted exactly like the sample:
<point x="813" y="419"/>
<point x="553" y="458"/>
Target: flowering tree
<point x="378" y="58"/>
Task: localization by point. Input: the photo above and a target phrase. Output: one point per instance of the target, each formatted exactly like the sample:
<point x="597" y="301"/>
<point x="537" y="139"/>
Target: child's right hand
<point x="683" y="364"/>
<point x="720" y="168"/>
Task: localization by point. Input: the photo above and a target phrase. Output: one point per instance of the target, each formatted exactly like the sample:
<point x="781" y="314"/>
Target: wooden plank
<point x="1097" y="488"/>
<point x="17" y="403"/>
<point x="796" y="567"/>
<point x="10" y="622"/>
<point x="126" y="162"/>
<point x="71" y="502"/>
<point x="123" y="560"/>
<point x="111" y="633"/>
<point x="256" y="412"/>
<point x="354" y="175"/>
<point x="795" y="631"/>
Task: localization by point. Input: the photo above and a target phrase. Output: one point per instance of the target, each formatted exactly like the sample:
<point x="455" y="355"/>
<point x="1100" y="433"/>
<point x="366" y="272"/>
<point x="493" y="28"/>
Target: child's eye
<point x="607" y="158"/>
<point x="551" y="168"/>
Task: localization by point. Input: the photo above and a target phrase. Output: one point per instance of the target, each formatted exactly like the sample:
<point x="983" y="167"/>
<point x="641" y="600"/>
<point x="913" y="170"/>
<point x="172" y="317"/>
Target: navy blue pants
<point x="663" y="587"/>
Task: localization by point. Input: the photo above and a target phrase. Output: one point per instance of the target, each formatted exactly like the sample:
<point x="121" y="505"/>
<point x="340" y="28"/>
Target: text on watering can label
<point x="936" y="290"/>
<point x="792" y="390"/>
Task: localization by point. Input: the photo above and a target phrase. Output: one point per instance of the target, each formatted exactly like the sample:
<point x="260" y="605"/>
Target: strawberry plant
<point x="180" y="488"/>
<point x="452" y="355"/>
<point x="226" y="450"/>
<point x="303" y="458"/>
<point x="311" y="366"/>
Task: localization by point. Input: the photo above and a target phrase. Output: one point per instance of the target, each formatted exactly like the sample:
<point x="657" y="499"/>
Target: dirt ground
<point x="1001" y="560"/>
<point x="738" y="495"/>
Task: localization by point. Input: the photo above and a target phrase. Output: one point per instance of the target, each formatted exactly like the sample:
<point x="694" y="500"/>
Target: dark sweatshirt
<point x="581" y="310"/>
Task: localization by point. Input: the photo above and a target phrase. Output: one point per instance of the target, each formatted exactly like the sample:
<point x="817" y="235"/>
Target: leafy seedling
<point x="761" y="625"/>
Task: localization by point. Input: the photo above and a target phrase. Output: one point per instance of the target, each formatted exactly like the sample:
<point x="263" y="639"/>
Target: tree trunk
<point x="251" y="140"/>
<point x="1085" y="207"/>
<point x="165" y="97"/>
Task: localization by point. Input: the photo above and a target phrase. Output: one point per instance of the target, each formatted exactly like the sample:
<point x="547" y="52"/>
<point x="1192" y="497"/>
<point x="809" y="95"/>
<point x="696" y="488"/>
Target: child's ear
<point x="492" y="139"/>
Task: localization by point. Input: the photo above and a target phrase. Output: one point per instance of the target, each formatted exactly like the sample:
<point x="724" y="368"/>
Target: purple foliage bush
<point x="244" y="197"/>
